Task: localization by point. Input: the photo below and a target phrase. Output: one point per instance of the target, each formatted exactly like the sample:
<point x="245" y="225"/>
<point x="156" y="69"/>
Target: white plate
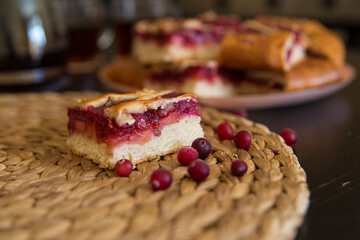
<point x="256" y="101"/>
<point x="272" y="100"/>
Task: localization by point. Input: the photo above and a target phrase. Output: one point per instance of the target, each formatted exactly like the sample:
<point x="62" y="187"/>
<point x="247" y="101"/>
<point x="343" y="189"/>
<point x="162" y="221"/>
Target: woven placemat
<point x="46" y="192"/>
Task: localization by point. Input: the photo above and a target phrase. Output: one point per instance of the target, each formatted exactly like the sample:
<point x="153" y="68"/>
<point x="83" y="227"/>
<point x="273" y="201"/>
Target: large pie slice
<point x="197" y="77"/>
<point x="279" y="43"/>
<point x="138" y="126"/>
<point x="170" y="39"/>
<point x="322" y="42"/>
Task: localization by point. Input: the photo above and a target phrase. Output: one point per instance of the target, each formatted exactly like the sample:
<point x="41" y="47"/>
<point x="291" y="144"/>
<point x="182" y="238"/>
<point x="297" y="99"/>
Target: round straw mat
<point x="46" y="192"/>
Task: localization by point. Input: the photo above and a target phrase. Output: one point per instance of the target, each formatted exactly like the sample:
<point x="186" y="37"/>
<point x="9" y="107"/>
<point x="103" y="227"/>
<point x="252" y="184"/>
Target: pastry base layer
<point x="149" y="52"/>
<point x="172" y="138"/>
<point x="201" y="88"/>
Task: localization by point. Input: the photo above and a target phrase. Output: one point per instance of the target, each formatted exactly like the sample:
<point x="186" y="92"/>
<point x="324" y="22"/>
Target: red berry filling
<point x="208" y="74"/>
<point x="204" y="73"/>
<point x="183" y="37"/>
<point x="212" y="32"/>
<point x="93" y="123"/>
<point x="238" y="76"/>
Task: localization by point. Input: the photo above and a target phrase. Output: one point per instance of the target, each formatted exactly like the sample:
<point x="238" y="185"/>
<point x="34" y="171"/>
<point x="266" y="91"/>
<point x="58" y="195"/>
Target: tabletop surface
<point x="327" y="148"/>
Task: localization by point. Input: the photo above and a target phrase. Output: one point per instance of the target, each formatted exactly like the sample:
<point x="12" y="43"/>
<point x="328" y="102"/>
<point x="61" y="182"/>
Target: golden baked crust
<point x="328" y="44"/>
<point x="121" y="106"/>
<point x="249" y="50"/>
<point x="312" y="72"/>
<point x="322" y="41"/>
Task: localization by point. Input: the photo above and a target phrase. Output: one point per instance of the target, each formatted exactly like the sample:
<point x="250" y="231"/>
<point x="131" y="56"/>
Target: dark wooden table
<point x="328" y="148"/>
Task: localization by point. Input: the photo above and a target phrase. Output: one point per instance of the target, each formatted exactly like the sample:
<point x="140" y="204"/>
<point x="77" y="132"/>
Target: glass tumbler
<point x="85" y="22"/>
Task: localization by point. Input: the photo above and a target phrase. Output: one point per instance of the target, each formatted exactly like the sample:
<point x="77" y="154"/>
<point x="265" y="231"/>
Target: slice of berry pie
<point x="169" y="39"/>
<point x="197" y="77"/>
<point x="138" y="126"/>
<point x="279" y="43"/>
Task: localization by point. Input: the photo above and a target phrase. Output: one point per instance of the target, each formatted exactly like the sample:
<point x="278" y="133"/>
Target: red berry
<point x="241" y="112"/>
<point x="242" y="139"/>
<point x="225" y="131"/>
<point x="160" y="179"/>
<point x="198" y="170"/>
<point x="238" y="167"/>
<point x="203" y="146"/>
<point x="123" y="167"/>
<point x="186" y="155"/>
<point x="289" y="136"/>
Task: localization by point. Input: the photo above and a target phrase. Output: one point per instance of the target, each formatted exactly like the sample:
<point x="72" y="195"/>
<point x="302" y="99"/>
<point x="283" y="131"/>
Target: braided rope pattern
<point x="46" y="192"/>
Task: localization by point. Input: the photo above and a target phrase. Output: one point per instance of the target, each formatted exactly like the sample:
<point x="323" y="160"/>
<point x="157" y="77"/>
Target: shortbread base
<point x="172" y="138"/>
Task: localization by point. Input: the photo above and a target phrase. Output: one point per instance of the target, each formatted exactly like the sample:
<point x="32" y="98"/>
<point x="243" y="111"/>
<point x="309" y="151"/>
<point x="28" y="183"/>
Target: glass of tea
<point x="126" y="12"/>
<point x="85" y="21"/>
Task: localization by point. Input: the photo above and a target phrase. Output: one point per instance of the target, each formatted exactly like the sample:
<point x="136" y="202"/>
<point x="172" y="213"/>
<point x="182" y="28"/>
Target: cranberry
<point x="161" y="179"/>
<point x="225" y="131"/>
<point x="289" y="136"/>
<point x="198" y="170"/>
<point x="184" y="107"/>
<point x="186" y="155"/>
<point x="242" y="139"/>
<point x="238" y="167"/>
<point x="140" y="122"/>
<point x="203" y="146"/>
<point x="152" y="117"/>
<point x="123" y="167"/>
<point x="241" y="112"/>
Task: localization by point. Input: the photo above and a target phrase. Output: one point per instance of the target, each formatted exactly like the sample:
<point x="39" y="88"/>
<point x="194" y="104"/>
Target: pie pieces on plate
<point x="209" y="80"/>
<point x="267" y="54"/>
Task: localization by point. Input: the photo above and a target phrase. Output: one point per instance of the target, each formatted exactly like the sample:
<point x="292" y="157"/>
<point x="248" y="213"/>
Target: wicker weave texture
<point x="46" y="192"/>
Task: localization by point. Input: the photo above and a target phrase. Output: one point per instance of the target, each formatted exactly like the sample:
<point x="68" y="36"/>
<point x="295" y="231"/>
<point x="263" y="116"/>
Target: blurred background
<point x="42" y="40"/>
